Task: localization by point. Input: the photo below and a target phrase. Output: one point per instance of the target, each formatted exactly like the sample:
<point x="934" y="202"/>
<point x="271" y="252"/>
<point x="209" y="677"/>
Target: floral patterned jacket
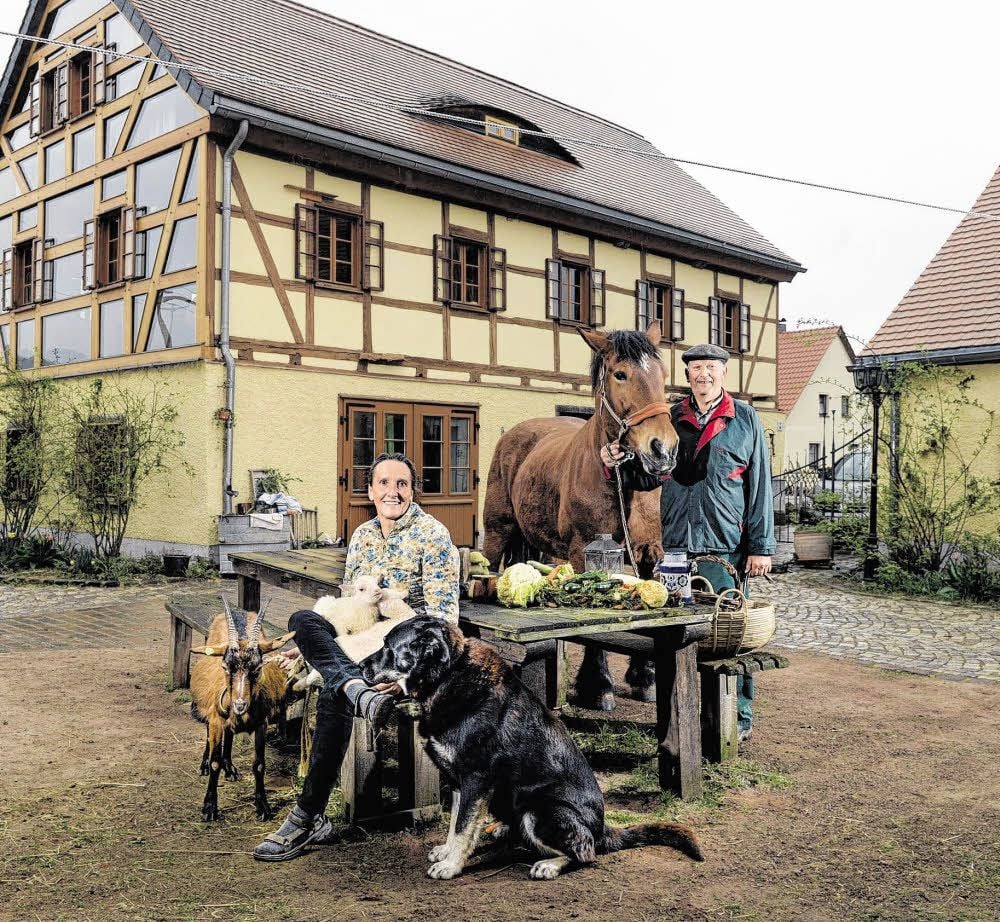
<point x="417" y="557"/>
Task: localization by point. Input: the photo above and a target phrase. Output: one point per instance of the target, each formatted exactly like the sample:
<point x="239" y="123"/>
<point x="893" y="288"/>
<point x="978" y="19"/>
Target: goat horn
<point x="254" y="638"/>
<point x="234" y="635"/>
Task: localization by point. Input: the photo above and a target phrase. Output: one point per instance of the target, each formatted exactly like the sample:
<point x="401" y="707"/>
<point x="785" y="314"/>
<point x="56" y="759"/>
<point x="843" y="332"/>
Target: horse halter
<point x="633" y="419"/>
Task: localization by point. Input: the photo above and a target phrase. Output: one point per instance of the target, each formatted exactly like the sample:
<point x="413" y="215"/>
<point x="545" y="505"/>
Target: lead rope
<point x="629" y="455"/>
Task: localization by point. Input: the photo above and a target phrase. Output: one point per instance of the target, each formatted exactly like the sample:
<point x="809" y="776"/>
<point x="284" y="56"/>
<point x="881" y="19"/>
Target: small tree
<point x="121" y="438"/>
<point x="942" y="485"/>
<point x="30" y="456"/>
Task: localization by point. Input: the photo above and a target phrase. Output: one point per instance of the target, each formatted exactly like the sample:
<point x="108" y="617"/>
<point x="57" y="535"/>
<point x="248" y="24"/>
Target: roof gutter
<point x="329" y="137"/>
<point x="959" y="355"/>
<point x="227" y="355"/>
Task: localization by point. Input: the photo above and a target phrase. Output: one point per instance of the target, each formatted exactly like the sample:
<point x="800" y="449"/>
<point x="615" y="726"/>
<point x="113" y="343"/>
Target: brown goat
<point x="234" y="691"/>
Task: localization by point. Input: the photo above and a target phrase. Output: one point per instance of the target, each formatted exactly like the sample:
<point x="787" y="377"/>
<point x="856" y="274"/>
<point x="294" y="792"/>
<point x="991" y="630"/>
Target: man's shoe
<point x="294" y="836"/>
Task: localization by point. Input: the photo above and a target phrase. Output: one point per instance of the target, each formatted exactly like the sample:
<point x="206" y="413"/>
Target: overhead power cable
<point x="376" y="102"/>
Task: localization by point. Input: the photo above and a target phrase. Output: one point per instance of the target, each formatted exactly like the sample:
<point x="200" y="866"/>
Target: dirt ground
<point x="865" y="795"/>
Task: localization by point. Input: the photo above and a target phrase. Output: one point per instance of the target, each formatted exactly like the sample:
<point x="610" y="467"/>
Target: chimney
<point x="782" y="325"/>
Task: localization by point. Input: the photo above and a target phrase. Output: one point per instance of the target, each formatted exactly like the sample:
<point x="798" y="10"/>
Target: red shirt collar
<point x="726" y="409"/>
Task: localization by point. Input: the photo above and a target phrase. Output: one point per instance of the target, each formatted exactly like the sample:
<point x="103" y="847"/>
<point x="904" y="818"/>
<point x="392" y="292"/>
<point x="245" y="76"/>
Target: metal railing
<point x="827" y="487"/>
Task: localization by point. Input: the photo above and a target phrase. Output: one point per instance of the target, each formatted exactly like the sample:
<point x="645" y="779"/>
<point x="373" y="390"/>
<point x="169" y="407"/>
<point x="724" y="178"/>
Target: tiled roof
<point x="799" y="353"/>
<point x="955" y="302"/>
<point x="292" y="44"/>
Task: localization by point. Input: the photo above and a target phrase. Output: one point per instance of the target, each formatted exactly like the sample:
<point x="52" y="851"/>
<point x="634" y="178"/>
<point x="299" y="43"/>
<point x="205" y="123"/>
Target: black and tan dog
<point x="504" y="755"/>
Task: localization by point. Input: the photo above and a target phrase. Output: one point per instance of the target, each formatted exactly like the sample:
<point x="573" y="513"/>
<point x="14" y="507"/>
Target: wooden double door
<point x="441" y="440"/>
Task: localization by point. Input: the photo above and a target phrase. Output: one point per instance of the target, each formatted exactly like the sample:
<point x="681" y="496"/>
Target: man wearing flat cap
<point x="717" y="500"/>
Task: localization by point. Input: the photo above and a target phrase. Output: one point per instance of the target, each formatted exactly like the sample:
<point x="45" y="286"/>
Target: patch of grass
<point x="736" y="775"/>
<point x="619" y="740"/>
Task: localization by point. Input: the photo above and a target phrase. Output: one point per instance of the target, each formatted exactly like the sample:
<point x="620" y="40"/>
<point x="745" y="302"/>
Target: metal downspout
<point x="227" y="354"/>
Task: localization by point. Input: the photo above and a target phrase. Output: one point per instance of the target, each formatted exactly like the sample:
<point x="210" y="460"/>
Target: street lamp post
<point x="871" y="377"/>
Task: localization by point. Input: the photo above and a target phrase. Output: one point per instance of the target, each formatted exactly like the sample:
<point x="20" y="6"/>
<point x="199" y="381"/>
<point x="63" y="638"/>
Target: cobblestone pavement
<point x="816" y="613"/>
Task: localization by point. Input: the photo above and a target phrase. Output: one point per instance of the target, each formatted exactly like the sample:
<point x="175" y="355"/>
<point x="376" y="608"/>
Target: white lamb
<point x="361" y="627"/>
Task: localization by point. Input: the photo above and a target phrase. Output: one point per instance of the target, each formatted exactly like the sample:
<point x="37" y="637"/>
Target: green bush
<point x="850" y="532"/>
<point x="976" y="575"/>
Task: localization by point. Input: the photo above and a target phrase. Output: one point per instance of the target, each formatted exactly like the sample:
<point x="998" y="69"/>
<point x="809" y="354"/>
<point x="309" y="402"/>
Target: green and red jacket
<point x="718" y="498"/>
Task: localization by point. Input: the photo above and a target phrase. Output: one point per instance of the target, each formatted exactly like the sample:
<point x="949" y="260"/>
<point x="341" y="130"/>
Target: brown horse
<point x="547" y="494"/>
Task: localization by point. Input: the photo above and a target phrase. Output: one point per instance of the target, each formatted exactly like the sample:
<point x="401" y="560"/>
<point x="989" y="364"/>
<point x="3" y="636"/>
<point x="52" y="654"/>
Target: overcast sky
<point x="887" y="97"/>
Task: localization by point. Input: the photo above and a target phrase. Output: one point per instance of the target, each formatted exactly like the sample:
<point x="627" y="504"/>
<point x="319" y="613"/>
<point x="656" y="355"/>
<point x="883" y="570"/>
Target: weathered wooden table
<point x="531" y="640"/>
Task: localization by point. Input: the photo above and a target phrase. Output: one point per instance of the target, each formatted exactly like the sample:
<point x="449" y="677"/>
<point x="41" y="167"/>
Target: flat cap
<point x="705" y="351"/>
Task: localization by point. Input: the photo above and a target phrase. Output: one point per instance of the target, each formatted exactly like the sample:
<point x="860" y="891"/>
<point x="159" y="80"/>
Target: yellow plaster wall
<point x="408" y="276"/>
<point x="526" y="244"/>
<point x="773" y="423"/>
<point x="619" y="311"/>
<point x="695" y="325"/>
<point x="409" y="219"/>
<point x="525" y="296"/>
<point x="307" y="403"/>
<point x="346" y="190"/>
<point x="574" y="354"/>
<point x="762" y="298"/>
<point x="256" y="313"/>
<point x="265" y="179"/>
<point x="338" y="322"/>
<point x="574" y="243"/>
<point x="659" y="265"/>
<point x="468" y="217"/>
<point x="621" y="267"/>
<point x="728" y="283"/>
<point x="524" y="347"/>
<point x="698" y="285"/>
<point x="470" y="339"/>
<point x="244" y="255"/>
<point x="410" y="332"/>
<point x="763" y="381"/>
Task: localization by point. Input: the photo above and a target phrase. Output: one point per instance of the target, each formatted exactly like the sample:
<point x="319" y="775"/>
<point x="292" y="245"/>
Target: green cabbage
<point x="653" y="593"/>
<point x="518" y="585"/>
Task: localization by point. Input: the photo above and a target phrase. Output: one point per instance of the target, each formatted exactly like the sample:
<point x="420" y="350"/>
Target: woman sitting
<point x="403" y="547"/>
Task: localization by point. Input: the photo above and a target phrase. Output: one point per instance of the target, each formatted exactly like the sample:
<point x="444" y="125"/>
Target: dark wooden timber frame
<point x="531" y="641"/>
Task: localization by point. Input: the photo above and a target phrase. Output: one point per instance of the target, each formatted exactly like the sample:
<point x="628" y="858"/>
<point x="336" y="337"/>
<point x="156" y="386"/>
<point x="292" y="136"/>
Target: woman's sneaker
<point x="294" y="836"/>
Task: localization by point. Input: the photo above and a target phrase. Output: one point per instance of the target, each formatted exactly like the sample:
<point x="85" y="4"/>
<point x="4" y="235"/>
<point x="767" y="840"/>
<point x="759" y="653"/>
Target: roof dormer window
<point x="505" y="131"/>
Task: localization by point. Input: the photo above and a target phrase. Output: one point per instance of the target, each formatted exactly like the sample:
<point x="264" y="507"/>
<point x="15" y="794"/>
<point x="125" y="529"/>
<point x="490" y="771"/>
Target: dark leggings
<point x="334" y="713"/>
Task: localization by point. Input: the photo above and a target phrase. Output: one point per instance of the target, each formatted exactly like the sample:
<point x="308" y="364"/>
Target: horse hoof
<point x="647" y="694"/>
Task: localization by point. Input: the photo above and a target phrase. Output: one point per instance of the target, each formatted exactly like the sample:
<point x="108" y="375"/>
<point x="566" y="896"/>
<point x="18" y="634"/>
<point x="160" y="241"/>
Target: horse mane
<point x="628" y="346"/>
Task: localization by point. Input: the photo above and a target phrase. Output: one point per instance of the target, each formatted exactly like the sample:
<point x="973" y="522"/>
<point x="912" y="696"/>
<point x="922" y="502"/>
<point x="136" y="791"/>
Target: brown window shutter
<point x="677" y="314"/>
<point x="97" y="68"/>
<point x="641" y="304"/>
<point x="128" y="243"/>
<point x="62" y="94"/>
<point x="498" y="279"/>
<point x="7" y="290"/>
<point x="443" y="248"/>
<point x="714" y="321"/>
<point x="37" y="279"/>
<point x="597" y="297"/>
<point x="374" y="265"/>
<point x="89" y="243"/>
<point x="553" y="289"/>
<point x="36" y="108"/>
<point x="744" y="328"/>
<point x="305" y="242"/>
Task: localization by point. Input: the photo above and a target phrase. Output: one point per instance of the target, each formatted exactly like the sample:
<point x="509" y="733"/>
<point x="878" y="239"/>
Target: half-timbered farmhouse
<point x="351" y="243"/>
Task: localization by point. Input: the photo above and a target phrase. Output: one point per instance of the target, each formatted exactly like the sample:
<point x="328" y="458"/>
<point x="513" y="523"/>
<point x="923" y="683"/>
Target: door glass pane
<point x="395" y="432"/>
<point x="459" y="429"/>
<point x="431" y="455"/>
<point x="362" y="449"/>
<point x="459" y="480"/>
<point x="459" y="454"/>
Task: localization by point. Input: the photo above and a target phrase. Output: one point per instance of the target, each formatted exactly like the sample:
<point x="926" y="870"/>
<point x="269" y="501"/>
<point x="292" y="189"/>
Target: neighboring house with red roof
<point x="951" y="316"/>
<point x="816" y="391"/>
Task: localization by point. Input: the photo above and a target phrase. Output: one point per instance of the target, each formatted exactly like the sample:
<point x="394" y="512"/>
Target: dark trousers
<point x="316" y="641"/>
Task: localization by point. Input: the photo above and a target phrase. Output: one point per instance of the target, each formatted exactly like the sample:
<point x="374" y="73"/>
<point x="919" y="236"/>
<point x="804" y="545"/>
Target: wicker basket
<point x="740" y="625"/>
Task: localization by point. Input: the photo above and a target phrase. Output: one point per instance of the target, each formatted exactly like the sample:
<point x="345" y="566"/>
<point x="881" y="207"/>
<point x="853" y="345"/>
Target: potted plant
<point x="813" y="544"/>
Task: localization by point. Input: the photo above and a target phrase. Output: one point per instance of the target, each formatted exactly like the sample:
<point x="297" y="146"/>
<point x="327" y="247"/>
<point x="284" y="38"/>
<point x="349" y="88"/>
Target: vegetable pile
<point x="521" y="585"/>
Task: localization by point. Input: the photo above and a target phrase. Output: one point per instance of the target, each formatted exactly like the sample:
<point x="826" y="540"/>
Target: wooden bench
<point x="361" y="773"/>
<point x="719" y="730"/>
